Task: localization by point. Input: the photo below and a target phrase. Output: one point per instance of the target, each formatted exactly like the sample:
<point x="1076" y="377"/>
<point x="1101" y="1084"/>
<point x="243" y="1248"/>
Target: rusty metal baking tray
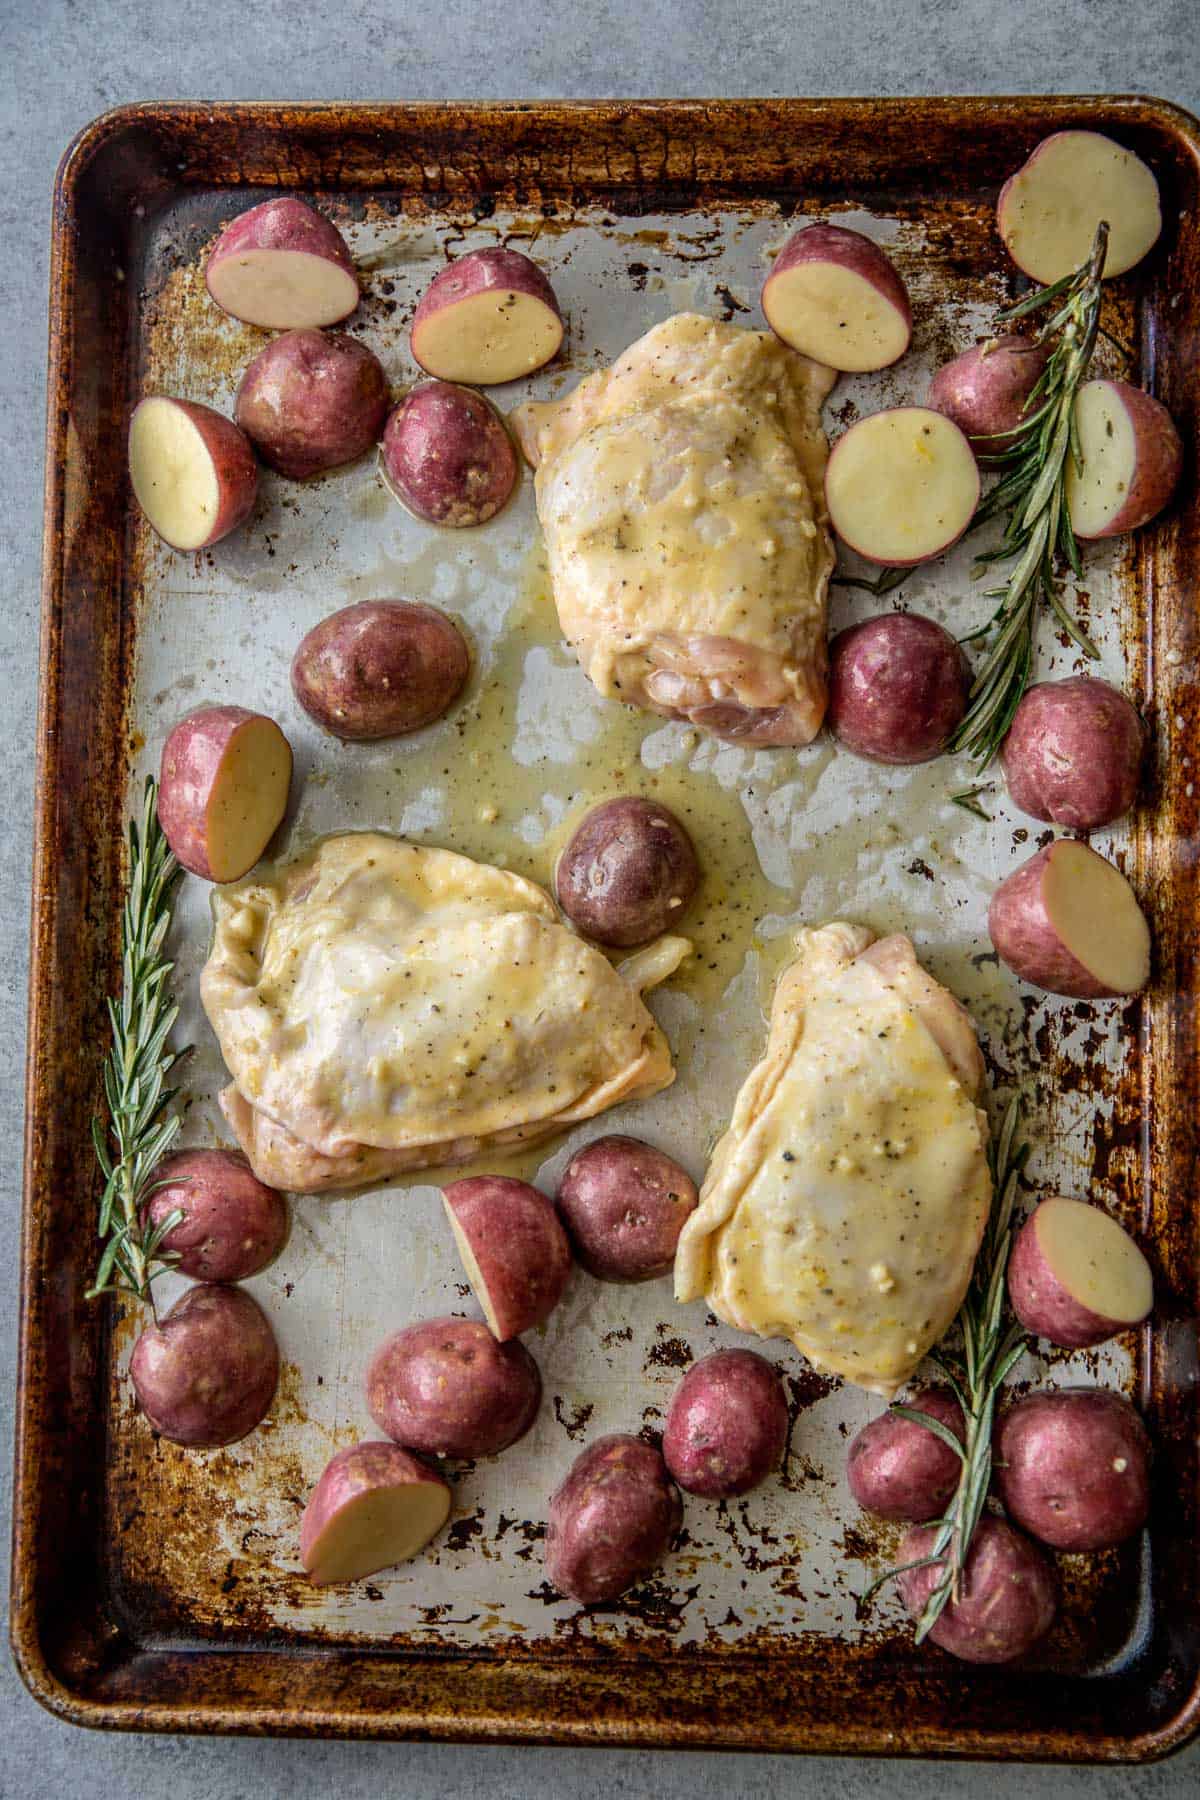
<point x="159" y="1590"/>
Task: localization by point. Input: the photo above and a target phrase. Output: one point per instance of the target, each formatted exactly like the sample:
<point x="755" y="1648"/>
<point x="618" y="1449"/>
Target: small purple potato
<point x="898" y="1469"/>
<point x="1073" y="1467"/>
<point x="446" y="455"/>
<point x="898" y="687"/>
<point x="233" y="1225"/>
<point x="446" y="1387"/>
<point x="624" y="1205"/>
<point x="612" y="1519"/>
<point x="628" y="873"/>
<point x="380" y="668"/>
<point x="206" y="1374"/>
<point x="1009" y="1596"/>
<point x="312" y="400"/>
<point x="727" y="1425"/>
<point x="1073" y="754"/>
<point x="985" y="389"/>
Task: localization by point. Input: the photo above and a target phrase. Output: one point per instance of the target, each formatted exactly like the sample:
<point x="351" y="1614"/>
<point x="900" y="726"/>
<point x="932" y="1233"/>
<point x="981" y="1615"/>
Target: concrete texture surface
<point x="64" y="61"/>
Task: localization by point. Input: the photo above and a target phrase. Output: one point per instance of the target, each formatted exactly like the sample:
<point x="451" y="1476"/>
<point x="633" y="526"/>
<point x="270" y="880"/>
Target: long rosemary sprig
<point x="141" y="1122"/>
<point x="1031" y="498"/>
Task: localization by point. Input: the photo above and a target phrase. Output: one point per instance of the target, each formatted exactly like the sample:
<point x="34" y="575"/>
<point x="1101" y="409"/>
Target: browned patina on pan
<point x="102" y="1663"/>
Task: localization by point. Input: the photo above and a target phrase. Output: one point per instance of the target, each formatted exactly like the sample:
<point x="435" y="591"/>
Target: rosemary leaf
<point x="968" y="799"/>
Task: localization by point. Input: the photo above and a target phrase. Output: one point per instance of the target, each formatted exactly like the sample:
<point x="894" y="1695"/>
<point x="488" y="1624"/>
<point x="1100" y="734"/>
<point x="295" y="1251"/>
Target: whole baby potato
<point x="985" y="390"/>
<point x="380" y="668"/>
<point x="628" y="873"/>
<point x="1073" y="1467"/>
<point x="233" y="1225"/>
<point x="898" y="688"/>
<point x="1009" y="1592"/>
<point x="206" y="1374"/>
<point x="1073" y="754"/>
<point x="312" y="400"/>
<point x="612" y="1519"/>
<point x="624" y="1204"/>
<point x="727" y="1425"/>
<point x="446" y="455"/>
<point x="901" y="1470"/>
<point x="446" y="1387"/>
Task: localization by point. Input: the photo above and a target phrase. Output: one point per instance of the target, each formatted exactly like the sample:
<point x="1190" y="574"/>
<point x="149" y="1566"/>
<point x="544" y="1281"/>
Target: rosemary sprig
<point x="968" y="799"/>
<point x="888" y="579"/>
<point x="142" y="1122"/>
<point x="1031" y="498"/>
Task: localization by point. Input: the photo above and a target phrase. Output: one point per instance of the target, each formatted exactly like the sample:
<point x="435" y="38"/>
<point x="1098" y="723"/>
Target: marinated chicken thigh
<point x="681" y="497"/>
<point x="845" y="1204"/>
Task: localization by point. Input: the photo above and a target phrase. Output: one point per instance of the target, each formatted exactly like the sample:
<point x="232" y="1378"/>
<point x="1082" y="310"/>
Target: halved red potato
<point x="490" y="317"/>
<point x="985" y="389"/>
<point x="193" y="472"/>
<point x="206" y="1373"/>
<point x="284" y="266"/>
<point x="901" y="485"/>
<point x="223" y="789"/>
<point x="1132" y="456"/>
<point x="446" y="456"/>
<point x="1069" y="922"/>
<point x="836" y="296"/>
<point x="311" y="401"/>
<point x="513" y="1248"/>
<point x="1076" y="1277"/>
<point x="375" y="1505"/>
<point x="233" y="1225"/>
<point x="1048" y="211"/>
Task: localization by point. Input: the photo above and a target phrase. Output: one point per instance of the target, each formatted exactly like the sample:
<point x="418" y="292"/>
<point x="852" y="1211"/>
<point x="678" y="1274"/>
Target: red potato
<point x="612" y="1520"/>
<point x="898" y="1469"/>
<point x="727" y="1425"/>
<point x="1131" y="454"/>
<point x="898" y="687"/>
<point x="628" y="873"/>
<point x="1008" y="1600"/>
<point x="374" y="1506"/>
<point x="1074" y="751"/>
<point x="380" y="668"/>
<point x="1076" y="1277"/>
<point x="513" y="1248"/>
<point x="1048" y="211"/>
<point x="1073" y="1468"/>
<point x="836" y="296"/>
<point x="233" y="1225"/>
<point x="1069" y="922"/>
<point x="624" y="1205"/>
<point x="901" y="485"/>
<point x="206" y="1374"/>
<point x="223" y="789"/>
<point x="283" y="266"/>
<point x="447" y="457"/>
<point x="488" y="318"/>
<point x="311" y="401"/>
<point x="447" y="1388"/>
<point x="192" y="471"/>
<point x="985" y="389"/>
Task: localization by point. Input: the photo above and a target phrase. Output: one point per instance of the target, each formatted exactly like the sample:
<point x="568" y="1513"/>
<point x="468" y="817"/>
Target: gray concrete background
<point x="64" y="61"/>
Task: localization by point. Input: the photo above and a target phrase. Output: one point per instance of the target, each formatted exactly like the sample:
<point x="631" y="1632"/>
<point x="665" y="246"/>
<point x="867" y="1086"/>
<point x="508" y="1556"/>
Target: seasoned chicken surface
<point x="383" y="1007"/>
<point x="682" y="502"/>
<point x="845" y="1204"/>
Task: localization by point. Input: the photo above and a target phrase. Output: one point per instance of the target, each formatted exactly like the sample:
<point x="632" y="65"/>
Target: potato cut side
<point x="902" y="485"/>
<point x="1095" y="1260"/>
<point x="283" y="290"/>
<point x="487" y="337"/>
<point x="1048" y="212"/>
<point x="836" y="316"/>
<point x="248" y="797"/>
<point x="474" y="1274"/>
<point x="174" y="476"/>
<point x="1095" y="913"/>
<point x="1108" y="445"/>
<point x="375" y="1529"/>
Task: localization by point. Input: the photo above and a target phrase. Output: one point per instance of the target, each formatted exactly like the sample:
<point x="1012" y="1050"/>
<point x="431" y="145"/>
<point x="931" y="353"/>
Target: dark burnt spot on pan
<point x="575" y="1421"/>
<point x="465" y="1532"/>
<point x="669" y="1353"/>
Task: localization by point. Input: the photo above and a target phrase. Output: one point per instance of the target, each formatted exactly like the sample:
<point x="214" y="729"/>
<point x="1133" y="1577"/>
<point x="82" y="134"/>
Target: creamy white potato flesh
<point x="1094" y="1260"/>
<point x="173" y="474"/>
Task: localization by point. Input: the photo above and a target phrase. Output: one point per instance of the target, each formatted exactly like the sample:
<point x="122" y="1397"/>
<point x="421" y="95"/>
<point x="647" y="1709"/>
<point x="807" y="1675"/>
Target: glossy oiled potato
<point x="1073" y="1467"/>
<point x="312" y="400"/>
<point x="727" y="1425"/>
<point x="1009" y="1593"/>
<point x="446" y="455"/>
<point x="898" y="687"/>
<point x="1073" y="754"/>
<point x="380" y="668"/>
<point x="900" y="1469"/>
<point x="624" y="1204"/>
<point x="611" y="1520"/>
<point x="206" y="1374"/>
<point x="446" y="1387"/>
<point x="628" y="873"/>
<point x="233" y="1225"/>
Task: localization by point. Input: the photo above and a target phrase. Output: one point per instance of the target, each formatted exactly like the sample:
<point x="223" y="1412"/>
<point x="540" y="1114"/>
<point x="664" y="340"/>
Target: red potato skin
<point x="1158" y="467"/>
<point x="851" y="250"/>
<point x="727" y="1425"/>
<point x="474" y="274"/>
<point x="281" y="224"/>
<point x="1073" y="755"/>
<point x="379" y="669"/>
<point x="447" y="456"/>
<point x="627" y="860"/>
<point x="898" y="1470"/>
<point x="357" y="1469"/>
<point x="1056" y="1468"/>
<point x="1043" y="1304"/>
<point x="519" y="1244"/>
<point x="612" y="1520"/>
<point x="1009" y="1597"/>
<point x="233" y="1224"/>
<point x="1025" y="939"/>
<point x="624" y="1204"/>
<point x="190" y="758"/>
<point x="233" y="460"/>
<point x="985" y="389"/>
<point x="898" y="688"/>
<point x="206" y="1374"/>
<point x="447" y="1388"/>
<point x="312" y="400"/>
